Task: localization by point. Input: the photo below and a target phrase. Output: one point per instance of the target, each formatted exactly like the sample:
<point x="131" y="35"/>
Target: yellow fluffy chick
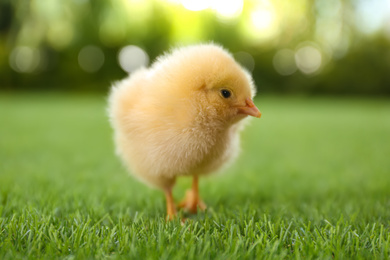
<point x="181" y="117"/>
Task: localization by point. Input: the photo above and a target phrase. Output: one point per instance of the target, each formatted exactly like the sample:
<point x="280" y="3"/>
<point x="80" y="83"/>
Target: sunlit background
<point x="313" y="176"/>
<point x="321" y="46"/>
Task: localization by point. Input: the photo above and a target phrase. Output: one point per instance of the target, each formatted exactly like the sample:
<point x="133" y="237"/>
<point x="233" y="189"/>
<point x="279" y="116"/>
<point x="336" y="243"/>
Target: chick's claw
<point x="192" y="202"/>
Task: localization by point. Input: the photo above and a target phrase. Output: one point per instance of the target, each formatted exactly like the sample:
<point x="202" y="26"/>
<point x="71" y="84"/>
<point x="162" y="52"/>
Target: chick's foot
<point x="192" y="202"/>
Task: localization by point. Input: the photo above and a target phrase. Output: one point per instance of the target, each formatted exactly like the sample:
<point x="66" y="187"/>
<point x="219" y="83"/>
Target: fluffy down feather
<point x="172" y="119"/>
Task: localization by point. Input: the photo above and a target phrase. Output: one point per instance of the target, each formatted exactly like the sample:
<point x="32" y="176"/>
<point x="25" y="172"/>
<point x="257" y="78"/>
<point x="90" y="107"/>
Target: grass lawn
<point x="313" y="181"/>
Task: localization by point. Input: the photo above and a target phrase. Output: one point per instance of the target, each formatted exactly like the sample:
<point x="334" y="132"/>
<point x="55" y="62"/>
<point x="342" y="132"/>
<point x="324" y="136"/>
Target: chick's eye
<point x="226" y="93"/>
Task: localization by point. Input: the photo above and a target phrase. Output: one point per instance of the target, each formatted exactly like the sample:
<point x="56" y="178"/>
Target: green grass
<point x="313" y="181"/>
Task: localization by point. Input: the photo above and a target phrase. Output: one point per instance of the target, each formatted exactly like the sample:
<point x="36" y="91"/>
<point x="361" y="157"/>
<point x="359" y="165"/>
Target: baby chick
<point x="181" y="117"/>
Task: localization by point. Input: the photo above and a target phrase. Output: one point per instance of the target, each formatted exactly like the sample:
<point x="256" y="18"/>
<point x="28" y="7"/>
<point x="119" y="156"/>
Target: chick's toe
<point x="192" y="201"/>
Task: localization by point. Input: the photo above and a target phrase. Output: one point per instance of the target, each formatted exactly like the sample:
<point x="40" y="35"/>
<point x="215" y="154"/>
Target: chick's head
<point x="213" y="80"/>
<point x="229" y="90"/>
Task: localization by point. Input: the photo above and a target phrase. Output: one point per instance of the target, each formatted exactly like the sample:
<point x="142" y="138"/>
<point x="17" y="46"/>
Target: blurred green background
<point x="302" y="46"/>
<point x="313" y="177"/>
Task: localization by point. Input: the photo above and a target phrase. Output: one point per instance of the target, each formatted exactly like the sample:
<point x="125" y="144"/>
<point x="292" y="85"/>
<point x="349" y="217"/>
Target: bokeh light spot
<point x="227" y="9"/>
<point x="60" y="34"/>
<point x="262" y="19"/>
<point x="132" y="57"/>
<point x="24" y="59"/>
<point x="284" y="62"/>
<point x="370" y="16"/>
<point x="91" y="58"/>
<point x="263" y="24"/>
<point x="245" y="59"/>
<point x="308" y="59"/>
<point x="196" y="5"/>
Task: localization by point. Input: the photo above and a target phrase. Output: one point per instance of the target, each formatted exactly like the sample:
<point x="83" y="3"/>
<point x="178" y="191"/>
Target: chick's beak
<point x="250" y="109"/>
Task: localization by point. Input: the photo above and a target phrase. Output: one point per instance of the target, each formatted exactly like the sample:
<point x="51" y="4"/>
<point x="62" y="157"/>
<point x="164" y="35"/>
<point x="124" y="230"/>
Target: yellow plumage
<point x="174" y="119"/>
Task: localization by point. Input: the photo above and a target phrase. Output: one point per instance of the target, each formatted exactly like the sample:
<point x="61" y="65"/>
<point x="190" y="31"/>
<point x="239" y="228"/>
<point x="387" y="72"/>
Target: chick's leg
<point x="192" y="200"/>
<point x="171" y="210"/>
